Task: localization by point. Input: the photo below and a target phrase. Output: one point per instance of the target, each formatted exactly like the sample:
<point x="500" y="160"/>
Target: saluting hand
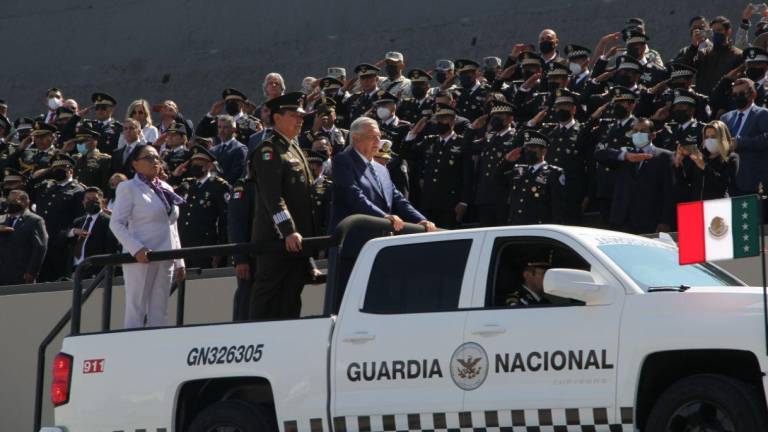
<point x="513" y="155"/>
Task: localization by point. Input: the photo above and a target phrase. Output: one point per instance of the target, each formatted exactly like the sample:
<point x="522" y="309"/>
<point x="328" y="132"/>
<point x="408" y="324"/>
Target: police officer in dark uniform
<point x="203" y="218"/>
<point x="232" y="101"/>
<point x="321" y="189"/>
<point x="684" y="129"/>
<point x="448" y="179"/>
<point x="361" y="102"/>
<point x="682" y="78"/>
<point x="175" y="152"/>
<point x="108" y="128"/>
<point x="636" y="42"/>
<point x="411" y="109"/>
<point x="578" y="63"/>
<point x="472" y="94"/>
<point x="535" y="188"/>
<point x="66" y="123"/>
<point x="241" y="212"/>
<point x="32" y="160"/>
<point x="284" y="212"/>
<point x="528" y="102"/>
<point x="59" y="201"/>
<point x="92" y="167"/>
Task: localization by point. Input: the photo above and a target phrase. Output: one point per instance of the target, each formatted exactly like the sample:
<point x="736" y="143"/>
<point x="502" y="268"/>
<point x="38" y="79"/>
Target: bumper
<point x="53" y="429"/>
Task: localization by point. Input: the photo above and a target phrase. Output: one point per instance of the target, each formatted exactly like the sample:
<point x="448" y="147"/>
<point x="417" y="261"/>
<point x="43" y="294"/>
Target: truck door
<point x="401" y="319"/>
<point x="548" y="364"/>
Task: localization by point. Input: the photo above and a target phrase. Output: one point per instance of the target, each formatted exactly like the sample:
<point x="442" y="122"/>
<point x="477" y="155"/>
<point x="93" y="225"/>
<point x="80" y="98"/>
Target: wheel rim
<point x="224" y="428"/>
<point x="700" y="416"/>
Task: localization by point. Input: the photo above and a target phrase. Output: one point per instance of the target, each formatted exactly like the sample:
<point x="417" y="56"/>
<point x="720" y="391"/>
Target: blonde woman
<point x="139" y="111"/>
<point x="707" y="173"/>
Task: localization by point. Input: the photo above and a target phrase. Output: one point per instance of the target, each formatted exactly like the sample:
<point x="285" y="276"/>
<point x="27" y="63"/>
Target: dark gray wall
<point x="189" y="50"/>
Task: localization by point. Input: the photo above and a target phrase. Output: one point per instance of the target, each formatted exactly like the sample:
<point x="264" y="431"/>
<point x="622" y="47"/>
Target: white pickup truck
<point x="424" y="339"/>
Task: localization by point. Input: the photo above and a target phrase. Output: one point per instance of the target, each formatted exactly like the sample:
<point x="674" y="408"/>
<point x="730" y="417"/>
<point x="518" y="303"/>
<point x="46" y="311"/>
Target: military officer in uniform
<point x="395" y="83"/>
<point x="472" y="94"/>
<point x="203" y="218"/>
<point x="92" y="167"/>
<point x="411" y="109"/>
<point x="535" y="188"/>
<point x="660" y="96"/>
<point x="578" y="63"/>
<point x="284" y="212"/>
<point x="651" y="72"/>
<point x="232" y="102"/>
<point x="108" y="128"/>
<point x="334" y="94"/>
<point x="59" y="201"/>
<point x="241" y="212"/>
<point x="321" y="189"/>
<point x="531" y="290"/>
<point x="394" y="130"/>
<point x="33" y="160"/>
<point x="324" y="126"/>
<point x="175" y="151"/>
<point x="448" y="169"/>
<point x="359" y="103"/>
<point x="684" y="129"/>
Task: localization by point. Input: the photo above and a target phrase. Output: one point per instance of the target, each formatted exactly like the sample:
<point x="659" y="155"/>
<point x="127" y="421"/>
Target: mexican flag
<point x="718" y="229"/>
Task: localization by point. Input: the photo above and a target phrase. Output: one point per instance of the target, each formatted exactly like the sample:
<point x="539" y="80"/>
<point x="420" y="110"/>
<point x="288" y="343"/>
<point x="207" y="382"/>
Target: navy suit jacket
<point x="231" y="160"/>
<point x="355" y="191"/>
<point x="752" y="147"/>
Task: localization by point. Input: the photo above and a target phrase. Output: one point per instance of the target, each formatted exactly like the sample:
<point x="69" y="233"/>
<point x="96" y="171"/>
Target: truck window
<point x="417" y="278"/>
<point x="513" y="256"/>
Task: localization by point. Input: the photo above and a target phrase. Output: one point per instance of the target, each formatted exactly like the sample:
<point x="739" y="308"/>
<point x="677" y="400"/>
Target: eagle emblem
<point x="469" y="366"/>
<point x="718" y="227"/>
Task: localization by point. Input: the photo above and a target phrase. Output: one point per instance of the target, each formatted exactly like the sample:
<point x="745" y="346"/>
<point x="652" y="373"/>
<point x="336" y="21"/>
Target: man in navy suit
<point x="363" y="186"/>
<point x="748" y="124"/>
<point x="230" y="153"/>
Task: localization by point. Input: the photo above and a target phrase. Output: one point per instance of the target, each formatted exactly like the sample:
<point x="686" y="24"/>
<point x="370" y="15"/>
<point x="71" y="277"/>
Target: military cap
<point x="755" y="55"/>
<point x="64" y="113"/>
<point x="365" y="69"/>
<point x="233" y="94"/>
<point x="635" y="22"/>
<point x="178" y="128"/>
<point x="327" y="102"/>
<point x="86" y="133"/>
<point x="3" y="103"/>
<point x="555" y="69"/>
<point x="330" y="82"/>
<point x="103" y="99"/>
<point x="501" y="106"/>
<point x="200" y="152"/>
<point x="634" y="35"/>
<point x="43" y="128"/>
<point x="565" y="96"/>
<point x="466" y="65"/>
<point x="62" y="160"/>
<point x="11" y="175"/>
<point x="385" y="150"/>
<point x="576" y="51"/>
<point x="491" y="62"/>
<point x="293" y="101"/>
<point x="204" y="141"/>
<point x="384" y="96"/>
<point x="535" y="138"/>
<point x="394" y="56"/>
<point x="621" y="93"/>
<point x="444" y="65"/>
<point x="418" y="75"/>
<point x="530" y="58"/>
<point x="23" y="123"/>
<point x="337" y="72"/>
<point x="5" y="124"/>
<point x="681" y="70"/>
<point x="627" y="62"/>
<point x="316" y="157"/>
<point x="445" y="110"/>
<point x="683" y="96"/>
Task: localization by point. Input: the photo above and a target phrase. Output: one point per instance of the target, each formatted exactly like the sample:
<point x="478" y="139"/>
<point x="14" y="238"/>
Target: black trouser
<point x="489" y="215"/>
<point x="443" y="218"/>
<point x="277" y="287"/>
<point x="242" y="301"/>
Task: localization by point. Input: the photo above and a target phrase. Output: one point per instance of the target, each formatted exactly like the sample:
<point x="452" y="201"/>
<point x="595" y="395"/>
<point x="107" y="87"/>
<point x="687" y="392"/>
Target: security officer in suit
<point x="411" y="109"/>
<point x="59" y="201"/>
<point x="359" y="103"/>
<point x="23" y="241"/>
<point x="203" y="218"/>
<point x="108" y="128"/>
<point x="241" y="212"/>
<point x="394" y="130"/>
<point x="176" y="152"/>
<point x="321" y="189"/>
<point x="232" y="101"/>
<point x="755" y="68"/>
<point x="578" y="63"/>
<point x="92" y="167"/>
<point x="448" y="180"/>
<point x="33" y="160"/>
<point x="90" y="234"/>
<point x="284" y="212"/>
<point x="535" y="188"/>
<point x="472" y="94"/>
<point x="683" y="129"/>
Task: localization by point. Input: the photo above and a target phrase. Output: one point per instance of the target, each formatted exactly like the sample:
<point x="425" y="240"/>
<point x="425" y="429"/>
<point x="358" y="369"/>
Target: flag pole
<point x="762" y="266"/>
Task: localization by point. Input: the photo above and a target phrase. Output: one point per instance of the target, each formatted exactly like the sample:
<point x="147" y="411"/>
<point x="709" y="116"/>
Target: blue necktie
<point x="376" y="177"/>
<point x="737" y="125"/>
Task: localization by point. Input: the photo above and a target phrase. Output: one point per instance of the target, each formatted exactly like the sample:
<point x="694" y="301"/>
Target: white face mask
<point x="712" y="145"/>
<point x="575" y="68"/>
<point x="54" y="103"/>
<point x="383" y="113"/>
<point x="640" y="139"/>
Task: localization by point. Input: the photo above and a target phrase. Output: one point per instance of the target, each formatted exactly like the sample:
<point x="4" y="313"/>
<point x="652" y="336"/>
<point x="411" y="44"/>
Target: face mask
<point x="81" y="148"/>
<point x="527" y="73"/>
<point x="552" y="86"/>
<point x="59" y="175"/>
<point x="14" y="208"/>
<point x="741" y="101"/>
<point x="54" y="103"/>
<point x="575" y="68"/>
<point x="383" y="113"/>
<point x="530" y="157"/>
<point x="92" y="207"/>
<point x="490" y="76"/>
<point x="712" y="145"/>
<point x="418" y="92"/>
<point x="563" y="116"/>
<point x="719" y="39"/>
<point x="195" y="171"/>
<point x="440" y="76"/>
<point x="546" y="47"/>
<point x="680" y="116"/>
<point x="677" y="85"/>
<point x="623" y="80"/>
<point x="634" y="52"/>
<point x="391" y="70"/>
<point x="755" y="74"/>
<point x="232" y="107"/>
<point x="497" y="123"/>
<point x="640" y="139"/>
<point x="620" y="111"/>
<point x="442" y="128"/>
<point x="467" y="81"/>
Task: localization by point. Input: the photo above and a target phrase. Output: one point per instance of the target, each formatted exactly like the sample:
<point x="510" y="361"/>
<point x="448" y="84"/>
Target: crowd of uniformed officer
<point x="611" y="136"/>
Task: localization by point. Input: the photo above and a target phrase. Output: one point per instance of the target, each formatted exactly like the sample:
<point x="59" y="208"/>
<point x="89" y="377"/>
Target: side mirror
<point x="577" y="285"/>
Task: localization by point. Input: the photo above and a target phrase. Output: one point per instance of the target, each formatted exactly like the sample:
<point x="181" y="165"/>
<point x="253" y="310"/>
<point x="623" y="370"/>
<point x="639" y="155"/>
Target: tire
<point x="708" y="403"/>
<point x="232" y="416"/>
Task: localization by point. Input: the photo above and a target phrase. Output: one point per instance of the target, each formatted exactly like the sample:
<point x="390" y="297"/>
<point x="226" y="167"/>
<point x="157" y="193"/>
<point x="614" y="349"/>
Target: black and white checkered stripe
<point x="529" y="420"/>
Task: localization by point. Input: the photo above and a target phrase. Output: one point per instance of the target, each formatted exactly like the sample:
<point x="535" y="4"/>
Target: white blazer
<point x="139" y="219"/>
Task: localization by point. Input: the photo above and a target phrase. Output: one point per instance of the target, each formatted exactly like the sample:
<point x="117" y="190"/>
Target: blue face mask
<point x="81" y="148"/>
<point x="718" y="39"/>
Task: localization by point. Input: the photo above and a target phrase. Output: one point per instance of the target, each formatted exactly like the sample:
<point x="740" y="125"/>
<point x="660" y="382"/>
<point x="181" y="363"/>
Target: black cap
<point x="501" y="106"/>
<point x="444" y="110"/>
<point x="576" y="51"/>
<point x="86" y="133"/>
<point x="43" y="128"/>
<point x="681" y="70"/>
<point x="62" y="159"/>
<point x="330" y="83"/>
<point x="199" y="152"/>
<point x="64" y="113"/>
<point x="233" y="94"/>
<point x="683" y="96"/>
<point x="366" y="69"/>
<point x="316" y="157"/>
<point x="103" y="99"/>
<point x="621" y="93"/>
<point x="327" y="103"/>
<point x="419" y="75"/>
<point x="3" y="103"/>
<point x="176" y="127"/>
<point x="530" y="58"/>
<point x="627" y="62"/>
<point x="290" y="101"/>
<point x="535" y="138"/>
<point x="5" y="124"/>
<point x="565" y="96"/>
<point x="755" y="55"/>
<point x="634" y="35"/>
<point x="462" y="65"/>
<point x="555" y="69"/>
<point x="23" y="123"/>
<point x="12" y="175"/>
<point x="384" y="96"/>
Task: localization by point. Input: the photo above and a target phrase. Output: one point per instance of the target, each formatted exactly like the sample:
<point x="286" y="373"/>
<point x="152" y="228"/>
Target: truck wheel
<point x="708" y="403"/>
<point x="231" y="416"/>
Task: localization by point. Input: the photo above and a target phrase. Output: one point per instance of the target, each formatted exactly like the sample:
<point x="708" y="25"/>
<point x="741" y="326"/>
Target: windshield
<point x="655" y="264"/>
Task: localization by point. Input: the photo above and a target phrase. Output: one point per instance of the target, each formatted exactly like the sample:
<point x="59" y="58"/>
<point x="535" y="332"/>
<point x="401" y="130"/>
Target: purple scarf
<point x="166" y="195"/>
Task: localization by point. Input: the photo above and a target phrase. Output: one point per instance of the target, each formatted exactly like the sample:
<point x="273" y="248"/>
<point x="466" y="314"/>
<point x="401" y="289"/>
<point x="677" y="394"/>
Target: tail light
<point x="62" y="377"/>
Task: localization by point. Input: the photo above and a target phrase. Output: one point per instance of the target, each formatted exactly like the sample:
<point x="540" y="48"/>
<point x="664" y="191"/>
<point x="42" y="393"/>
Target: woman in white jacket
<point x="144" y="219"/>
